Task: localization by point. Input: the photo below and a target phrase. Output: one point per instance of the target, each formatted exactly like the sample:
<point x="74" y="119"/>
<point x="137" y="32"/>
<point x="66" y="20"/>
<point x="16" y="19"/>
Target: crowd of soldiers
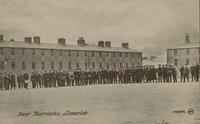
<point x="138" y="74"/>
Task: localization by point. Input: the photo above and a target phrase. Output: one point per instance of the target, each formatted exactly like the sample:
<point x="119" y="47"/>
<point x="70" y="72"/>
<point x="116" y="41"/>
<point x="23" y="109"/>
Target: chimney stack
<point x="28" y="39"/>
<point x="81" y="41"/>
<point x="125" y="45"/>
<point x="101" y="43"/>
<point x="61" y="41"/>
<point x="36" y="39"/>
<point x="1" y="37"/>
<point x="187" y="38"/>
<point x="108" y="44"/>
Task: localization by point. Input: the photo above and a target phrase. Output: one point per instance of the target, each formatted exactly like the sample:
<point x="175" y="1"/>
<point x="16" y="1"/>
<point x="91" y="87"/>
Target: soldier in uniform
<point x="197" y="70"/>
<point x="186" y="74"/>
<point x="12" y="80"/>
<point x="182" y="73"/>
<point x="192" y="71"/>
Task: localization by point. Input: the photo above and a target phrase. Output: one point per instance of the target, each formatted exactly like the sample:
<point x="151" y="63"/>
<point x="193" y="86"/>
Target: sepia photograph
<point x="99" y="62"/>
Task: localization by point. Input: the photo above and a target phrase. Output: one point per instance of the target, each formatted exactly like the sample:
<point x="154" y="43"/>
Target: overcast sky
<point x="149" y="26"/>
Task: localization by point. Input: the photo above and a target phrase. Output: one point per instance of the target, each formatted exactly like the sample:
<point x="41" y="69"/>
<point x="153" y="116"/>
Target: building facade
<point x="187" y="54"/>
<point x="32" y="55"/>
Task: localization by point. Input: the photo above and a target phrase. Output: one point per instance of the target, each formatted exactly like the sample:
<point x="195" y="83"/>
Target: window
<point x="23" y="66"/>
<point x="93" y="54"/>
<point x="69" y="53"/>
<point x="120" y="55"/>
<point x="107" y="54"/>
<point x="1" y="51"/>
<point x="43" y="65"/>
<point x="133" y="65"/>
<point x="100" y="65"/>
<point x="22" y="51"/>
<point x="52" y="65"/>
<point x="120" y="64"/>
<point x="175" y="62"/>
<point x="33" y="65"/>
<point x="139" y="55"/>
<point x="126" y="64"/>
<point x="69" y="65"/>
<point x="77" y="53"/>
<point x="113" y="54"/>
<point x="33" y="52"/>
<point x="126" y="55"/>
<point x="132" y="54"/>
<point x="61" y="65"/>
<point x="93" y="65"/>
<point x="52" y="52"/>
<point x="2" y="65"/>
<point x="13" y="65"/>
<point x="187" y="51"/>
<point x="12" y="51"/>
<point x="85" y="65"/>
<point x="175" y="52"/>
<point x="107" y="66"/>
<point x="187" y="61"/>
<point x="100" y="54"/>
<point x="85" y="53"/>
<point x="114" y="65"/>
<point x="60" y="52"/>
<point x="77" y="65"/>
<point x="42" y="52"/>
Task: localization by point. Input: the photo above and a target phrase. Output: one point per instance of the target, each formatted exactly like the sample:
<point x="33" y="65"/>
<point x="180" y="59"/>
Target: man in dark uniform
<point x="12" y="80"/>
<point x="192" y="71"/>
<point x="182" y="73"/>
<point x="186" y="74"/>
<point x="197" y="70"/>
<point x="174" y="74"/>
<point x="159" y="73"/>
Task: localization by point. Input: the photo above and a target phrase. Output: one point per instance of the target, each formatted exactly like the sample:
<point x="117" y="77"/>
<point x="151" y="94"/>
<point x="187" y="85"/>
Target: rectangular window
<point x="77" y="65"/>
<point x="100" y="54"/>
<point x="126" y="55"/>
<point x="52" y="52"/>
<point x="187" y="51"/>
<point x="2" y="65"/>
<point x="107" y="66"/>
<point x="132" y="54"/>
<point x="42" y="52"/>
<point x="1" y="51"/>
<point x="114" y="65"/>
<point x="61" y="65"/>
<point x="69" y="65"/>
<point x="85" y="65"/>
<point x="12" y="51"/>
<point x="33" y="65"/>
<point x="60" y="52"/>
<point x="93" y="65"/>
<point x="187" y="61"/>
<point x="23" y="66"/>
<point x="120" y="64"/>
<point x="120" y="55"/>
<point x="127" y="65"/>
<point x="33" y="52"/>
<point x="23" y="51"/>
<point x="175" y="52"/>
<point x="52" y="65"/>
<point x="139" y="55"/>
<point x="92" y="53"/>
<point x="43" y="65"/>
<point x="113" y="54"/>
<point x="175" y="62"/>
<point x="69" y="53"/>
<point x="77" y="53"/>
<point x="100" y="65"/>
<point x="13" y="65"/>
<point x="85" y="53"/>
<point x="107" y="54"/>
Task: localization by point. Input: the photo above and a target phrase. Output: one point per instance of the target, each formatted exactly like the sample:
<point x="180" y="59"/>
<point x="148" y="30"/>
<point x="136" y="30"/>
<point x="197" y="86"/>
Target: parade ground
<point x="153" y="103"/>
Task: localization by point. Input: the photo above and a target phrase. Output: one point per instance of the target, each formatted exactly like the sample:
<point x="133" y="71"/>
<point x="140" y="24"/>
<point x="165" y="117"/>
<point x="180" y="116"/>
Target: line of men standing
<point x="137" y="74"/>
<point x="185" y="71"/>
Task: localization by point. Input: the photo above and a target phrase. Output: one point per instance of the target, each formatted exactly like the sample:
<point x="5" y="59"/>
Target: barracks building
<point x="187" y="53"/>
<point x="32" y="55"/>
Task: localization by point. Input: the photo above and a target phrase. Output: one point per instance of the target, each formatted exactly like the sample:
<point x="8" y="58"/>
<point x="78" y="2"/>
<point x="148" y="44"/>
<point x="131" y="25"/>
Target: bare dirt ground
<point x="105" y="104"/>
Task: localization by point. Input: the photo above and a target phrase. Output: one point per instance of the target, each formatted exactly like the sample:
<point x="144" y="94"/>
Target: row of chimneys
<point x="61" y="41"/>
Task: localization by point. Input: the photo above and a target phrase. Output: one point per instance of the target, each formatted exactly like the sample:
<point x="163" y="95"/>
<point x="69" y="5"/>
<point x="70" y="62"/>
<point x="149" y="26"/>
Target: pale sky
<point x="150" y="26"/>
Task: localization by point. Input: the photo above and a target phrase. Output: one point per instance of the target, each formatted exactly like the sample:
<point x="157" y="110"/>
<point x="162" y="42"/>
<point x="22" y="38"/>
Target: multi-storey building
<point x="187" y="53"/>
<point x="32" y="55"/>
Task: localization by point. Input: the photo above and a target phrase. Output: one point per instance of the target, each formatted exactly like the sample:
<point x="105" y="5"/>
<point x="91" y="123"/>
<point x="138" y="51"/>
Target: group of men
<point x="193" y="70"/>
<point x="138" y="74"/>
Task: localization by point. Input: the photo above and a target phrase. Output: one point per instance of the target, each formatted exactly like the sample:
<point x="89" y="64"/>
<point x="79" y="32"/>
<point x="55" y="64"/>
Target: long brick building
<point x="32" y="55"/>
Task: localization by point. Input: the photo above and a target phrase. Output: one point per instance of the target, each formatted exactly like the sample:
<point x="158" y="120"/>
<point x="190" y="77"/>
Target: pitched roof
<point x="19" y="44"/>
<point x="186" y="45"/>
